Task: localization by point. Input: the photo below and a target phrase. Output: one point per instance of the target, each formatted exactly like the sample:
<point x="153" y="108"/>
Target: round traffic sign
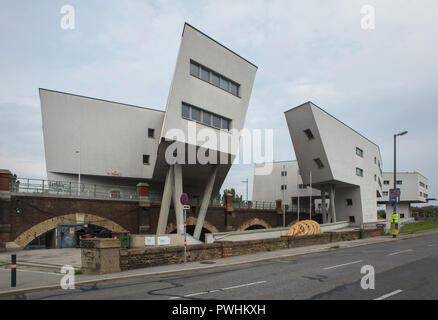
<point x="183" y="199"/>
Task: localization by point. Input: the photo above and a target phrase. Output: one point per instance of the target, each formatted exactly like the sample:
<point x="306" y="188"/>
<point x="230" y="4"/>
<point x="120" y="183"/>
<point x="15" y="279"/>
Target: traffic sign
<point x="183" y="199"/>
<point x="394" y="195"/>
<point x="187" y="207"/>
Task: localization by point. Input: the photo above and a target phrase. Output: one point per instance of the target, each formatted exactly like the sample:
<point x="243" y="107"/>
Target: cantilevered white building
<point x="341" y="162"/>
<point x="187" y="148"/>
<point x="414" y="188"/>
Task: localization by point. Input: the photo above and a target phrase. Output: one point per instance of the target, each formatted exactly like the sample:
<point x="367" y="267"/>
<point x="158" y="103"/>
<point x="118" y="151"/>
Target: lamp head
<point x="401" y="133"/>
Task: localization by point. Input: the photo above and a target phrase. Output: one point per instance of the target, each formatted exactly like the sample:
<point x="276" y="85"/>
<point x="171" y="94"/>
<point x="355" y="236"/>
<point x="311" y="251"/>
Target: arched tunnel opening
<point x="67" y="236"/>
<point x="191" y="230"/>
<point x="255" y="227"/>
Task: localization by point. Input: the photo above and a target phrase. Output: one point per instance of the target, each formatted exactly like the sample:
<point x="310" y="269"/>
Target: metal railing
<point x="115" y="192"/>
<point x="70" y="188"/>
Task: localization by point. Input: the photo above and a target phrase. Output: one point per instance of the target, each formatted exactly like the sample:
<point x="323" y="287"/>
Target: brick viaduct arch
<point x="191" y="221"/>
<point x="254" y="222"/>
<point x="74" y="218"/>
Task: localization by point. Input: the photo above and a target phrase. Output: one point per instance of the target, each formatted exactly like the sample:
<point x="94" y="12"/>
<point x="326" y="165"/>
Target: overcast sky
<point x="379" y="81"/>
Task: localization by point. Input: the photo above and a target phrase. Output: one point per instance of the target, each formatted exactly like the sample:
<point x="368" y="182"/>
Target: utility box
<point x="123" y="236"/>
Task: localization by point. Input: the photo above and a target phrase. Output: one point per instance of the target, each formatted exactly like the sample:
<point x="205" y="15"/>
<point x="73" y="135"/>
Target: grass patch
<point x="335" y="247"/>
<point x="419" y="226"/>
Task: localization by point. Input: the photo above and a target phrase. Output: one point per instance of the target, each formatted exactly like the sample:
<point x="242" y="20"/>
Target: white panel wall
<point x="111" y="137"/>
<point x="187" y="88"/>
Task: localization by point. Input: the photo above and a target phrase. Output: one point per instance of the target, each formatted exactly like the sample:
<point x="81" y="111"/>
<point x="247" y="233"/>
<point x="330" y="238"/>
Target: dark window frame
<point x="210" y="78"/>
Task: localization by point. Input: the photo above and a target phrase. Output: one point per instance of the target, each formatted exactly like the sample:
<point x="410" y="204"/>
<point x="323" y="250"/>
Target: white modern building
<point x="285" y="183"/>
<point x="341" y="163"/>
<point x="187" y="148"/>
<point x="414" y="188"/>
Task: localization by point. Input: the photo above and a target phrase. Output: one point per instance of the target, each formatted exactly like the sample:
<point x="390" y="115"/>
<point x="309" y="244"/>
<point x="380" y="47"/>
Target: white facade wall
<point x="187" y="88"/>
<point x="112" y="137"/>
<point x="335" y="144"/>
<point x="414" y="186"/>
<point x="268" y="187"/>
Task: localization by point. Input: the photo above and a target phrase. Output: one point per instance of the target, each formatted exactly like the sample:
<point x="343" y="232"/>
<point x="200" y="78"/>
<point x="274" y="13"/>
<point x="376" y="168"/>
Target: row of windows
<point x="205" y="117"/>
<point x="214" y="78"/>
<point x="386" y="182"/>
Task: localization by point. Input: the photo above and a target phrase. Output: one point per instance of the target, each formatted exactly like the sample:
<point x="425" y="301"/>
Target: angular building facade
<point x="339" y="162"/>
<point x="187" y="148"/>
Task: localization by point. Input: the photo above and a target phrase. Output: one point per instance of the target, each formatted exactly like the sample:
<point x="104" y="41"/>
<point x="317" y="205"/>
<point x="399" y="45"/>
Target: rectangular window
<point x="225" y="124"/>
<point x="319" y="163"/>
<point x="385" y="193"/>
<point x="206" y="117"/>
<point x="233" y="88"/>
<point x="193" y="113"/>
<point x="352" y="219"/>
<point x="194" y="69"/>
<point x="205" y="75"/>
<point x="185" y="111"/>
<point x="375" y="160"/>
<point x="359" y="172"/>
<point x="215" y="79"/>
<point x="399" y="182"/>
<point x="402" y="215"/>
<point x="196" y="114"/>
<point x="283" y="173"/>
<point x="145" y="159"/>
<point x="349" y="202"/>
<point x="309" y="134"/>
<point x="283" y="187"/>
<point x="386" y="182"/>
<point x="151" y="133"/>
<point x="359" y="152"/>
<point x="216" y="121"/>
<point x="224" y="84"/>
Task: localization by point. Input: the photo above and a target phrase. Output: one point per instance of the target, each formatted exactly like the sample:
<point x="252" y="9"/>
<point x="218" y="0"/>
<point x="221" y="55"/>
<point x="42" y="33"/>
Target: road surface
<point x="405" y="269"/>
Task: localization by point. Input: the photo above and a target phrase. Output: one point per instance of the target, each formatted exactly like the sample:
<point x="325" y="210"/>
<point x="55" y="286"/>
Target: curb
<point x="318" y="250"/>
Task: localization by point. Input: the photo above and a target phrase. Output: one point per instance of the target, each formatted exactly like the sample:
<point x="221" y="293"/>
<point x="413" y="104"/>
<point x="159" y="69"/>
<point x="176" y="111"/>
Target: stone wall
<point x="142" y="258"/>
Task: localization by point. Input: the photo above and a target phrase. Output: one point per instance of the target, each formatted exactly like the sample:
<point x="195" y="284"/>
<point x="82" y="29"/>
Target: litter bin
<point x="123" y="236"/>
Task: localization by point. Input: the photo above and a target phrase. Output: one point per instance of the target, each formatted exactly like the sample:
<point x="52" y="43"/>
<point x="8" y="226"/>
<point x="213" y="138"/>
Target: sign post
<point x="13" y="270"/>
<point x="394" y="197"/>
<point x="184" y="199"/>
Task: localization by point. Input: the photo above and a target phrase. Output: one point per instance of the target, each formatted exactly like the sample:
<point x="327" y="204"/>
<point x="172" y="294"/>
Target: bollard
<point x="13" y="270"/>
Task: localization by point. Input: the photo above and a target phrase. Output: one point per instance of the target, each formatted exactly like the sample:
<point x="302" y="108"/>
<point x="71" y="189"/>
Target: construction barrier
<point x="304" y="228"/>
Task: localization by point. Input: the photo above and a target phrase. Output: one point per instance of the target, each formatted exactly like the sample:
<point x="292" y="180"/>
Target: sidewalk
<point x="28" y="281"/>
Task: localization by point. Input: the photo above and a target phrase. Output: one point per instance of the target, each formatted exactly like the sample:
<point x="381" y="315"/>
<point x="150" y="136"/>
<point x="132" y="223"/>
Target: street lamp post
<point x="246" y="181"/>
<point x="395" y="179"/>
<point x="79" y="172"/>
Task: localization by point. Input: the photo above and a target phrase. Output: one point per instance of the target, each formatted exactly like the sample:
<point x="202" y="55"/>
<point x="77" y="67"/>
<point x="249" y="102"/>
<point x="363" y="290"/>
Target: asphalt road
<point x="405" y="269"/>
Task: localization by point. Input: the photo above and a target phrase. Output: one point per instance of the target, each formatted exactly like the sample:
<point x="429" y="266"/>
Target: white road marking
<point x="341" y="265"/>
<point x="389" y="294"/>
<point x="433" y="244"/>
<point x="394" y="253"/>
<point x="244" y="285"/>
<point x="217" y="290"/>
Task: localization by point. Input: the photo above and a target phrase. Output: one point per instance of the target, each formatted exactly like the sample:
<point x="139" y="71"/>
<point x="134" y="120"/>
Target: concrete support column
<point x="332" y="209"/>
<point x="205" y="201"/>
<point x="165" y="202"/>
<point x="177" y="191"/>
<point x="323" y="207"/>
<point x="5" y="179"/>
